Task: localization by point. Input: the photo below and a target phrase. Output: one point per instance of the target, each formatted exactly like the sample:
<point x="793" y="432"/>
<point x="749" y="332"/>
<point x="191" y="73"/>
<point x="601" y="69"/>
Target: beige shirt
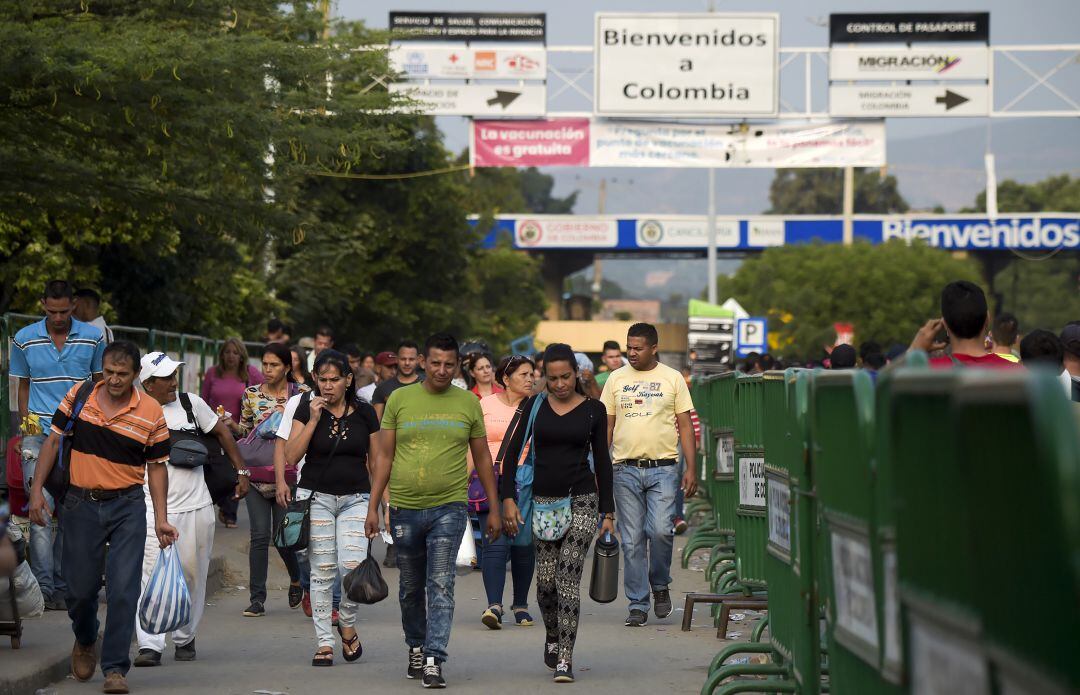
<point x="644" y="404"/>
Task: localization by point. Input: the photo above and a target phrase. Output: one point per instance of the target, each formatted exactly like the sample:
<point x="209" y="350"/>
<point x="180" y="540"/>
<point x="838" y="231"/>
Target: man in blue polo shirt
<point x="48" y="358"/>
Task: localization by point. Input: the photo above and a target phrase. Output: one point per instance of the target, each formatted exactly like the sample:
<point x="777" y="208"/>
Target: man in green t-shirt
<point x="612" y="358"/>
<point x="427" y="428"/>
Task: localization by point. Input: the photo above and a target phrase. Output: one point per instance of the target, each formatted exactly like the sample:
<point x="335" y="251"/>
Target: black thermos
<point x="604" y="587"/>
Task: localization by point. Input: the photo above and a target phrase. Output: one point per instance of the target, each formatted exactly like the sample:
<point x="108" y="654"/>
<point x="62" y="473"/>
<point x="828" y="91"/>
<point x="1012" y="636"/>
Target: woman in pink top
<point x="515" y="374"/>
<point x="223" y="388"/>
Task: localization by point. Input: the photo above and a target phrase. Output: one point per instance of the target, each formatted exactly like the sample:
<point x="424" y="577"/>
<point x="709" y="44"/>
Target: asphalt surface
<point x="272" y="654"/>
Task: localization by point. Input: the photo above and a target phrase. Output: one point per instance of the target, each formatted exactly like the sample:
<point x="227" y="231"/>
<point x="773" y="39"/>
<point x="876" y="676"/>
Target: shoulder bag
<point x="293" y="532"/>
<point x="59" y="478"/>
<point x="218" y="471"/>
<point x="478" y="501"/>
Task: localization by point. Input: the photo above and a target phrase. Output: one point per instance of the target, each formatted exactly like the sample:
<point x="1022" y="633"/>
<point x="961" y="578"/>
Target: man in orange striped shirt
<point x="118" y="437"/>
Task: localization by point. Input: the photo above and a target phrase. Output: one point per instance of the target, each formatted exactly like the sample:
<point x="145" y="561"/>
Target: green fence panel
<point x="793" y="612"/>
<point x="935" y="558"/>
<point x="842" y="433"/>
<point x="724" y="490"/>
<point x="751" y="526"/>
<point x="1020" y="451"/>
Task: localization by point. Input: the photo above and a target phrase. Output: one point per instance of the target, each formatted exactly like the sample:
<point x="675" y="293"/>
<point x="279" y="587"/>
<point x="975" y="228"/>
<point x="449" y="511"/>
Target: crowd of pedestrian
<point x="542" y="452"/>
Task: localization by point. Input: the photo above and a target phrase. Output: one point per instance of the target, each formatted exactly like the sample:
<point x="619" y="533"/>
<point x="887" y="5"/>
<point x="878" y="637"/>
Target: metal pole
<point x="598" y="269"/>
<point x="711" y="241"/>
<point x="849" y="204"/>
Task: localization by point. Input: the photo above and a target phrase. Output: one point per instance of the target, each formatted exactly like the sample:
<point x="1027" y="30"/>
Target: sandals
<point x="492" y="617"/>
<point x="522" y="617"/>
<point x="227" y="523"/>
<point x="324" y="656"/>
<point x="351" y="649"/>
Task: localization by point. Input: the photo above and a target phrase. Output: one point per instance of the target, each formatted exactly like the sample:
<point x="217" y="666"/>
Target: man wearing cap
<point x="191" y="511"/>
<point x="407" y="361"/>
<point x="1070" y="339"/>
<point x="118" y="441"/>
<point x="385" y="366"/>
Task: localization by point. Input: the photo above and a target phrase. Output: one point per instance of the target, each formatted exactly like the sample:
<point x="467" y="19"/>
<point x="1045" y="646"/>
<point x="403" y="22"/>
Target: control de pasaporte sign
<point x="909" y="27"/>
<point x="687" y="65"/>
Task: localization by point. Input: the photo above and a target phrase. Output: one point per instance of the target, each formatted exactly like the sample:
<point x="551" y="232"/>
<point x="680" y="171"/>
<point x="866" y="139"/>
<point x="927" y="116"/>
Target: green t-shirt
<point x="433" y="432"/>
<point x="602" y="378"/>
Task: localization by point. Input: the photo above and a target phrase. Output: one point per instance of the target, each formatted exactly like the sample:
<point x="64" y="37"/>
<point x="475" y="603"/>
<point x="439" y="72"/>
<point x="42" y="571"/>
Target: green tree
<point x="821" y="192"/>
<point x="137" y="143"/>
<point x="887" y="291"/>
<point x="1043" y="291"/>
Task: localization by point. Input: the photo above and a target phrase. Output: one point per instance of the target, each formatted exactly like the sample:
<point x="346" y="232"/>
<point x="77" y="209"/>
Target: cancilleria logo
<point x="651" y="232"/>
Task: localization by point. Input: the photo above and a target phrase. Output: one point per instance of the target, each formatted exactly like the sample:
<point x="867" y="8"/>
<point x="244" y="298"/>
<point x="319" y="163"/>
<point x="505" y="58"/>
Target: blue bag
<point x="524" y="480"/>
<point x="166" y="603"/>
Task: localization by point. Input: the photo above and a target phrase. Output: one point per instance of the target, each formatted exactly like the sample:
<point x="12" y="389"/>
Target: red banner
<point x="556" y="142"/>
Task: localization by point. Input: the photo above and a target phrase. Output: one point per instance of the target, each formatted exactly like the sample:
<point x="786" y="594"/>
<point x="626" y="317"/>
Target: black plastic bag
<point x="365" y="584"/>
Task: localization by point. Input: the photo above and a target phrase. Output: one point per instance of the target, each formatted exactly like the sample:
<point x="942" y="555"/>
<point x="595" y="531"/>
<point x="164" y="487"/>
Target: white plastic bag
<point x="466" y="554"/>
<point x="166" y="602"/>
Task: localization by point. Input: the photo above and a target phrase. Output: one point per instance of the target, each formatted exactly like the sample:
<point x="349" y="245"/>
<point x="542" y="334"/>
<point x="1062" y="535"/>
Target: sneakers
<point x="296" y="594"/>
<point x="55" y="602"/>
<point x="255" y="610"/>
<point x="637" y="618"/>
<point x="306" y="603"/>
<point x="115" y="683"/>
<point x="551" y="654"/>
<point x="147" y="657"/>
<point x="185" y="652"/>
<point x="492" y="617"/>
<point x="433" y="674"/>
<point x="661" y="603"/>
<point x="680" y="526"/>
<point x="563" y="672"/>
<point x="416" y="662"/>
<point x="83" y="661"/>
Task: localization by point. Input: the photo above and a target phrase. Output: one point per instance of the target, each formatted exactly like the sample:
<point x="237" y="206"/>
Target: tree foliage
<point x="887" y="291"/>
<point x="821" y="192"/>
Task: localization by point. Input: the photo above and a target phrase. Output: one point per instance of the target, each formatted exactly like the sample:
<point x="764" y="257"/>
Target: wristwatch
<point x="244" y="472"/>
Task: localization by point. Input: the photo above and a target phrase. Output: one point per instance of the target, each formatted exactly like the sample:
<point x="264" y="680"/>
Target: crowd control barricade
<point x="1020" y="457"/>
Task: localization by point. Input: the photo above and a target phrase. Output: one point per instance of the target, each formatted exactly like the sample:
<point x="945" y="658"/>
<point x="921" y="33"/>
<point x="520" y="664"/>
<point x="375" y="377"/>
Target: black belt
<point x="100" y="495"/>
<point x="647" y="463"/>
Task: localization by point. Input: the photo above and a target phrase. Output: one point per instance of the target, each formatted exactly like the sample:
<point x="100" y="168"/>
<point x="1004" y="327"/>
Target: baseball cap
<point x="386" y="359"/>
<point x="156" y="364"/>
<point x="1070" y="337"/>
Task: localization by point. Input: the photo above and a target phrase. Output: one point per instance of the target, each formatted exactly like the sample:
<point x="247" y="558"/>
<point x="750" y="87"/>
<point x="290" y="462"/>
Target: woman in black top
<point x="568" y="425"/>
<point x="335" y="430"/>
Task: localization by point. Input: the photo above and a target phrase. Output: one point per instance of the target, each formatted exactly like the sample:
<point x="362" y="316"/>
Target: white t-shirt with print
<point x="187" y="486"/>
<point x="367" y="392"/>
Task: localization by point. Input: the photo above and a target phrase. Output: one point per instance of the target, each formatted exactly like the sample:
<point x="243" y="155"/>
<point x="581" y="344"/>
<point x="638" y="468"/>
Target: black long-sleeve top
<point x="562" y="444"/>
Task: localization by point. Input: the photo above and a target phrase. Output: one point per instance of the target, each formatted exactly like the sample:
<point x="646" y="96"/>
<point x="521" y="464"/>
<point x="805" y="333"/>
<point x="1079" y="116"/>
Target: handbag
<point x="365" y="583"/>
<point x="552" y="520"/>
<point x="166" y="601"/>
<point x="257" y="448"/>
<point x="59" y="479"/>
<point x="478" y="501"/>
<point x="294" y="531"/>
<point x="523" y="478"/>
<point x="218" y="471"/>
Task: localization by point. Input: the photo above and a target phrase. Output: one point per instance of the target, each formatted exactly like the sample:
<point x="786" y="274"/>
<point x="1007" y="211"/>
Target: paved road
<point x="238" y="655"/>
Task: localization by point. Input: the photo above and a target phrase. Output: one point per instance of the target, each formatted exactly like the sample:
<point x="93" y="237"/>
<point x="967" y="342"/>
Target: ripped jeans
<point x="337" y="542"/>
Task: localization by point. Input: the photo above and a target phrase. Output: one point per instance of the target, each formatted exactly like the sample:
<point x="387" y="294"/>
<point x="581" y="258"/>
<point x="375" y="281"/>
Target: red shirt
<point x="987" y="361"/>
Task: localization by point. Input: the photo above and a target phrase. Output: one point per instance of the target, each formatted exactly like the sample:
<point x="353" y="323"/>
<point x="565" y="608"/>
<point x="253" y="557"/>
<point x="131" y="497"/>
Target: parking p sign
<point x="751" y="336"/>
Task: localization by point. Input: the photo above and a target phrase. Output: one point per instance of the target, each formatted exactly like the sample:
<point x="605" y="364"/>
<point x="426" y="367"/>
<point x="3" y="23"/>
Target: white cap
<point x="156" y="364"/>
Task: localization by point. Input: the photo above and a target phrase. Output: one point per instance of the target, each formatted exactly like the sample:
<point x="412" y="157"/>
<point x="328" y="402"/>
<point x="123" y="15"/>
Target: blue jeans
<point x="427" y="543"/>
<point x="645" y="498"/>
<point x="88" y="526"/>
<point x="493" y="566"/>
<point x="46" y="542"/>
<point x="337" y="544"/>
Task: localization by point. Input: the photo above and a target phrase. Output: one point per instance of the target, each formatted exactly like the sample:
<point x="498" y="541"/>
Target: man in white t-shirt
<point x="191" y="510"/>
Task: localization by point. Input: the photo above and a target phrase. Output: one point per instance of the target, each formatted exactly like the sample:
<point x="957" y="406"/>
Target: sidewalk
<point x="272" y="654"/>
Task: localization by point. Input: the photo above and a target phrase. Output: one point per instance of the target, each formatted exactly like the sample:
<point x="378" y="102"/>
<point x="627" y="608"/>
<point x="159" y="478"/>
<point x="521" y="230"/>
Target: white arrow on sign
<point x="476" y="99"/>
<point x="876" y="101"/>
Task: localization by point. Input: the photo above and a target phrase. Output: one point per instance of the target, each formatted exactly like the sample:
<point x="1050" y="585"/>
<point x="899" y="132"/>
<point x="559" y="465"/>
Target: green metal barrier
<point x="751" y="527"/>
<point x="716" y="426"/>
<point x="1020" y="449"/>
<point x="842" y="431"/>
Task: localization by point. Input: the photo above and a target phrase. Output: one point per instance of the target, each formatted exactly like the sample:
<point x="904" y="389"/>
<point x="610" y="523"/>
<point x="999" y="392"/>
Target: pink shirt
<point x="497" y="417"/>
<point x="228" y="391"/>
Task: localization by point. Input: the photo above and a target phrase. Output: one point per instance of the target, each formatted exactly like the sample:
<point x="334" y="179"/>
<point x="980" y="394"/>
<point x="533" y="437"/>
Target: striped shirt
<point x="111" y="454"/>
<point x="52" y="373"/>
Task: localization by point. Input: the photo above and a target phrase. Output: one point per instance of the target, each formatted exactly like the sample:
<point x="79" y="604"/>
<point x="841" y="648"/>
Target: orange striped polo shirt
<point x="111" y="454"/>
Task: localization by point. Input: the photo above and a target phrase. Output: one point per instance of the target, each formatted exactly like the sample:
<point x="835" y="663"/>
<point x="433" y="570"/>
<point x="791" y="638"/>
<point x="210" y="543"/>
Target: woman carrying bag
<point x="335" y="431"/>
<point x="261" y="409"/>
<point x="567" y="497"/>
